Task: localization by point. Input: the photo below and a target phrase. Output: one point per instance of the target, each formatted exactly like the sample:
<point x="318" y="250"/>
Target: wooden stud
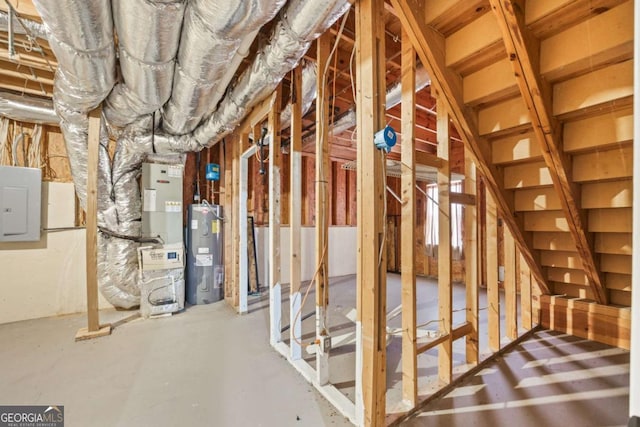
<point x="462" y="199"/>
<point x="430" y="46"/>
<point x="295" y="217"/>
<point x="408" y="224"/>
<point x="371" y="277"/>
<point x="275" y="162"/>
<point x="510" y="294"/>
<point x="525" y="294"/>
<point x="235" y="221"/>
<point x="226" y="187"/>
<point x="323" y="212"/>
<point x="93" y="329"/>
<point x="445" y="295"/>
<point x="493" y="292"/>
<point x="471" y="261"/>
<point x="242" y="289"/>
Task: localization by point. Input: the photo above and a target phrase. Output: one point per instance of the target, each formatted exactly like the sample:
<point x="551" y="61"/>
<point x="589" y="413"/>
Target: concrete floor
<point x="208" y="366"/>
<point x="204" y="367"/>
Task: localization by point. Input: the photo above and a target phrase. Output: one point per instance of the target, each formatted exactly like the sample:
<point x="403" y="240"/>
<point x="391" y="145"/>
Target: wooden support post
<point x="510" y="294"/>
<point x="445" y="295"/>
<point x="408" y="225"/>
<point x="493" y="289"/>
<point x="371" y="275"/>
<point x="243" y="250"/>
<point x="323" y="172"/>
<point x="295" y="216"/>
<point x="275" y="160"/>
<point x="525" y="293"/>
<point x="226" y="189"/>
<point x="93" y="329"/>
<point x="236" y="221"/>
<point x="471" y="260"/>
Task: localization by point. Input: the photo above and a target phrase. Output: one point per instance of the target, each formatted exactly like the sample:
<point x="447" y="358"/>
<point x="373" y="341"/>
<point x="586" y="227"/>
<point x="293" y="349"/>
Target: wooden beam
<point x="25" y="8"/>
<point x="93" y="329"/>
<point x="493" y="290"/>
<point x="371" y="264"/>
<point x="430" y="46"/>
<point x="462" y="199"/>
<point x="408" y="225"/>
<point x="236" y="221"/>
<point x="471" y="242"/>
<point x="295" y="217"/>
<point x="226" y="188"/>
<point x="275" y="162"/>
<point x="445" y="293"/>
<point x="510" y="292"/>
<point x="523" y="50"/>
<point x="323" y="172"/>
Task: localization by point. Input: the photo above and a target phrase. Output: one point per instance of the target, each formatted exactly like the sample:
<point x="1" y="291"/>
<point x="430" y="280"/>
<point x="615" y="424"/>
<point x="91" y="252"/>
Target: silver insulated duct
<point x="148" y="39"/>
<point x="213" y="32"/>
<point x="30" y="109"/>
<point x="85" y="74"/>
<point x="23" y="26"/>
<point x="301" y="22"/>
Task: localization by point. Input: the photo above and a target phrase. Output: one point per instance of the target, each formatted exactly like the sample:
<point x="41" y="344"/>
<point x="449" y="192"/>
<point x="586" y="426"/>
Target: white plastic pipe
<point x="634" y="376"/>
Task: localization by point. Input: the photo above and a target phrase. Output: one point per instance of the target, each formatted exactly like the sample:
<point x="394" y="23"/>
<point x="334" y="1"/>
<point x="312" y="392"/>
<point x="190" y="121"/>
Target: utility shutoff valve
<point x="385" y="139"/>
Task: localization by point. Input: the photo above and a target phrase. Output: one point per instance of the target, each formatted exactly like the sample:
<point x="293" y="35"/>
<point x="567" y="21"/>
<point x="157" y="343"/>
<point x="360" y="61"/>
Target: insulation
<point x="212" y="34"/>
<point x="23" y="26"/>
<point x="148" y="39"/>
<point x="24" y="108"/>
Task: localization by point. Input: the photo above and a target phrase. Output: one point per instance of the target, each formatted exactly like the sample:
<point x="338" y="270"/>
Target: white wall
<point x="46" y="278"/>
<point x="342" y="252"/>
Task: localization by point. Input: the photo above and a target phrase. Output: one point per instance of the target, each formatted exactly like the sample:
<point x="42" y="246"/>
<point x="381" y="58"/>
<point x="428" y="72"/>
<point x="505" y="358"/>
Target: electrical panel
<point x="20" y="202"/>
<point x="162" y="201"/>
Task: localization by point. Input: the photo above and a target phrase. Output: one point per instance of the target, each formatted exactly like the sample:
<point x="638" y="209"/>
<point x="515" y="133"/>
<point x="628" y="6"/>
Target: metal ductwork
<point x="215" y="37"/>
<point x="148" y="39"/>
<point x="24" y="108"/>
<point x="23" y="26"/>
<point x="301" y="22"/>
<point x="85" y="74"/>
<point x="394" y="97"/>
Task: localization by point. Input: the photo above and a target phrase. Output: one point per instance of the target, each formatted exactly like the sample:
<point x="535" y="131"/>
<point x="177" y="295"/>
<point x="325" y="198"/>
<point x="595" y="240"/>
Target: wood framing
<point x="605" y="324"/>
<point x="371" y="262"/>
<point x="295" y="217"/>
<point x="226" y="187"/>
<point x="526" y="308"/>
<point x="471" y="261"/>
<point x="510" y="293"/>
<point x="523" y="50"/>
<point x="408" y="225"/>
<point x="493" y="291"/>
<point x="430" y="46"/>
<point x="275" y="162"/>
<point x="323" y="213"/>
<point x="93" y="329"/>
<point x="445" y="293"/>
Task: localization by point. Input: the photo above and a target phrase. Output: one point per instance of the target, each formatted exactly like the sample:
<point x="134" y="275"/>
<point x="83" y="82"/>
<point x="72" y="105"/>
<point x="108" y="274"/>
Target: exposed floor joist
<point x="523" y="49"/>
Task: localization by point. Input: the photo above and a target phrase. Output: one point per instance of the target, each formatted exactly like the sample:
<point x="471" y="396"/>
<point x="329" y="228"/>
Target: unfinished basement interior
<point x="319" y="213"/>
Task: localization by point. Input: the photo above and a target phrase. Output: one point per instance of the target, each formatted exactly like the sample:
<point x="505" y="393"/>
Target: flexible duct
<point x="213" y="32"/>
<point x="85" y="74"/>
<point x="394" y="97"/>
<point x="148" y="40"/>
<point x="309" y="85"/>
<point x="24" y="26"/>
<point x="24" y="108"/>
<point x="300" y="23"/>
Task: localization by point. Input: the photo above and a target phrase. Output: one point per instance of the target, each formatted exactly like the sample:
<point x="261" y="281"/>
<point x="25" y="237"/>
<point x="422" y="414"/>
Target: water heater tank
<point x="205" y="262"/>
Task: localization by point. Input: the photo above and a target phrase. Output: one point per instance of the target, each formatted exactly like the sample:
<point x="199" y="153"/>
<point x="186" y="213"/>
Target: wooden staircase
<point x="541" y="92"/>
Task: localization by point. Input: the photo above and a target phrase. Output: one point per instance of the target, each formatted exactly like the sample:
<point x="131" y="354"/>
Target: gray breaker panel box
<point x="20" y="204"/>
<point x="205" y="265"/>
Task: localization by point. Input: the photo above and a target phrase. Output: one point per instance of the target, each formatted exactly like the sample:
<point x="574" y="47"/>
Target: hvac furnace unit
<point x="162" y="201"/>
<point x="205" y="268"/>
